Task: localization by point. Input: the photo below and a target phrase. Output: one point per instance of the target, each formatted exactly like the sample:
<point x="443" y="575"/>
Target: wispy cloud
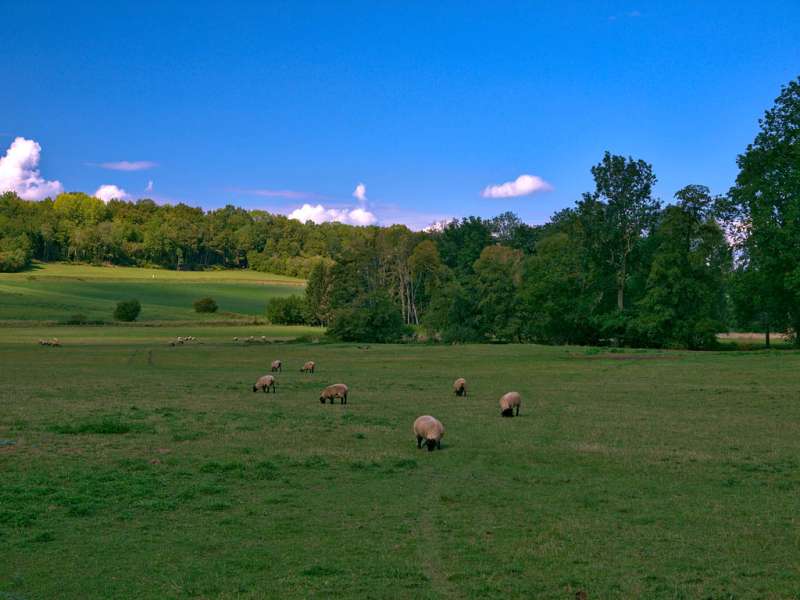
<point x="126" y="165"/>
<point x="19" y="172"/>
<point x="524" y="185"/>
<point x="108" y="192"/>
<point x="320" y="214"/>
<point x="360" y="193"/>
<point x="149" y="187"/>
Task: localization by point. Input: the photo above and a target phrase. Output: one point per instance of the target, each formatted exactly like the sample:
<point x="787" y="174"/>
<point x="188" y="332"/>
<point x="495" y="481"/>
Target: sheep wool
<point x="460" y="387"/>
<point x="430" y="430"/>
<point x="337" y="390"/>
<point x="265" y="383"/>
<point x="508" y="402"/>
<point x="308" y="367"/>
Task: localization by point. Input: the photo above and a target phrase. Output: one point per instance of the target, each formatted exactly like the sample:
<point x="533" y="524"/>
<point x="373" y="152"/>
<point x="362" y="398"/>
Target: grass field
<point x="134" y="470"/>
<point x="56" y="292"/>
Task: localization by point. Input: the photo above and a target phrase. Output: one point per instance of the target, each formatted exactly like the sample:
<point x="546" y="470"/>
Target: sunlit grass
<point x="132" y="469"/>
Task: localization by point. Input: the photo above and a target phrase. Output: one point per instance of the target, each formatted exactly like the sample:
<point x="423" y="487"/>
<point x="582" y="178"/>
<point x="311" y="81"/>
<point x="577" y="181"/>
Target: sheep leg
<point x="419" y="441"/>
<point x="517" y="409"/>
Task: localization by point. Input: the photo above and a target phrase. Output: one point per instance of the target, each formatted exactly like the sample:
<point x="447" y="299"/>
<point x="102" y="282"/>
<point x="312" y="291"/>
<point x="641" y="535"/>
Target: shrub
<point x="372" y="318"/>
<point x="127" y="310"/>
<point x="77" y="319"/>
<point x="205" y="305"/>
<point x="286" y="311"/>
<point x="15" y="253"/>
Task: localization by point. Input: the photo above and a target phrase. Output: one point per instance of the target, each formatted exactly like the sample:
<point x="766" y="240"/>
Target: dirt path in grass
<point x="429" y="548"/>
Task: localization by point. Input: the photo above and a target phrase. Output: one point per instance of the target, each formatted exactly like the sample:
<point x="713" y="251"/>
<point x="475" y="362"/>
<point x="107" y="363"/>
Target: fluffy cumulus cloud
<point x="524" y="185"/>
<point x="127" y="165"/>
<point x="360" y="193"/>
<point x="110" y="192"/>
<point x="320" y="214"/>
<point x="19" y="172"/>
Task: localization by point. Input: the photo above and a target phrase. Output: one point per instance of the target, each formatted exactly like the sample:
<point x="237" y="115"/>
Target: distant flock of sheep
<point x="182" y="339"/>
<point x="426" y="428"/>
<point x="52" y="342"/>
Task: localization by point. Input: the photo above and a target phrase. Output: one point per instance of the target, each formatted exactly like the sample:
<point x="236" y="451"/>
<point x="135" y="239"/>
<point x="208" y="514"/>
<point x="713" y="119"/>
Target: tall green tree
<point x="497" y="279"/>
<point x="318" y="294"/>
<point x="623" y="201"/>
<point x="461" y="243"/>
<point x="558" y="300"/>
<point x="766" y="198"/>
<point x="684" y="303"/>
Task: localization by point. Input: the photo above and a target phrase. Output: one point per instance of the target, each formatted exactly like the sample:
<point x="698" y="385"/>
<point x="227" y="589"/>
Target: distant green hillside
<point x="58" y="291"/>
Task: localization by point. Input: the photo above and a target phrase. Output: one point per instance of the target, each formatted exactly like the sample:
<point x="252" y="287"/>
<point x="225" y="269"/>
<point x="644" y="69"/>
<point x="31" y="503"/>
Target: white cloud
<point x="149" y="187"/>
<point x="320" y="214"/>
<point x="523" y="185"/>
<point x="360" y="193"/>
<point x="108" y="192"/>
<point x="359" y="216"/>
<point x="19" y="172"/>
<point x="126" y="165"/>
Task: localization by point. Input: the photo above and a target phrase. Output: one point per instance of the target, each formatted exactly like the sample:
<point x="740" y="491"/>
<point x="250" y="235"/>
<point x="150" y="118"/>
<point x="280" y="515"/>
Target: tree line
<point x="619" y="266"/>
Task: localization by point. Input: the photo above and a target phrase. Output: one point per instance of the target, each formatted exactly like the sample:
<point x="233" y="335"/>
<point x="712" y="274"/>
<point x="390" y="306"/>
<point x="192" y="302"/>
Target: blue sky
<point x="425" y="105"/>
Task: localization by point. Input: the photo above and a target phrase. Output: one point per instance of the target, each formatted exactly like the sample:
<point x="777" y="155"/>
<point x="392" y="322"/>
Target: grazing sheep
<point x="460" y="386"/>
<point x="236" y="339"/>
<point x="308" y="367"/>
<point x="429" y="429"/>
<point x="337" y="390"/>
<point x="508" y="402"/>
<point x="277" y="366"/>
<point x="264" y="383"/>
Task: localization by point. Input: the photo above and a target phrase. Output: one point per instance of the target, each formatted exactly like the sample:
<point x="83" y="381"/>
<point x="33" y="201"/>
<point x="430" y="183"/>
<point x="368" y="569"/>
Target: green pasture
<point x="131" y="469"/>
<point x="56" y="292"/>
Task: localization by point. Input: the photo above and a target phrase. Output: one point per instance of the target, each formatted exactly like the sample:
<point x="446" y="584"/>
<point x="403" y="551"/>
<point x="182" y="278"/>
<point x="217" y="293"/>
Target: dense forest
<point x="619" y="266"/>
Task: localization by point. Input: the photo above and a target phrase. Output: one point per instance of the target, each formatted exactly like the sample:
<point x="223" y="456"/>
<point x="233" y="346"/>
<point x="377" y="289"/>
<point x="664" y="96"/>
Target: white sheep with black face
<point x="308" y="367"/>
<point x="277" y="366"/>
<point x="460" y="387"/>
<point x="337" y="390"/>
<point x="430" y="430"/>
<point x="265" y="383"/>
<point x="508" y="402"/>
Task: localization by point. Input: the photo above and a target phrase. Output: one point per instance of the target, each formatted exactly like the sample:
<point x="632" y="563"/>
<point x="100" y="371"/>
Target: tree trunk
<point x="621" y="287"/>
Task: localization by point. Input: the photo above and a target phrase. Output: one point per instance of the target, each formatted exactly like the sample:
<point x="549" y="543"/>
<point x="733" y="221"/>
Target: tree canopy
<point x="617" y="267"/>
